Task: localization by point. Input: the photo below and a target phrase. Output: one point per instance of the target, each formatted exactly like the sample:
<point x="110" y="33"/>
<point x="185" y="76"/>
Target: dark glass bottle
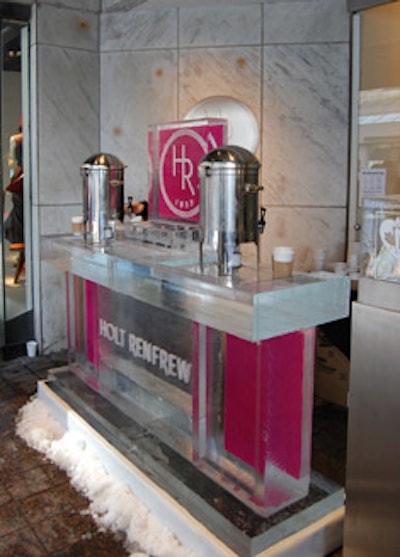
<point x="130" y="209"/>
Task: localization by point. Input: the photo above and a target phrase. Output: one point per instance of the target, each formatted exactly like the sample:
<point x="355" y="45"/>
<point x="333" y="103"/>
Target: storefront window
<point x="16" y="316"/>
<point x="376" y="108"/>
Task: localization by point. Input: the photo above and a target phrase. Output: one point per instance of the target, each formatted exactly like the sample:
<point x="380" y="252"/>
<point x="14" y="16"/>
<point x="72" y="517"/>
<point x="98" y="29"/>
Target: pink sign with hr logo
<point x="180" y="148"/>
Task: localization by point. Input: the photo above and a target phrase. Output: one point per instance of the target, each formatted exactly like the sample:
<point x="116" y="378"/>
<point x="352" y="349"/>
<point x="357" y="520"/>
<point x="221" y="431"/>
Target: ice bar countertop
<point x="249" y="304"/>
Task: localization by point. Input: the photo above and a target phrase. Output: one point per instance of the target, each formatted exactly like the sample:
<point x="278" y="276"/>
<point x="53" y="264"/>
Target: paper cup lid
<point x="284" y="254"/>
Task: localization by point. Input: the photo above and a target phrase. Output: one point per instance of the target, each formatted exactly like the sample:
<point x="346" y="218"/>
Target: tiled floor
<point x="42" y="515"/>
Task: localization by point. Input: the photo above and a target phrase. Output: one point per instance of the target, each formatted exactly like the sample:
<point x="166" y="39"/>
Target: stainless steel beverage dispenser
<point x="103" y="197"/>
<point x="229" y="204"/>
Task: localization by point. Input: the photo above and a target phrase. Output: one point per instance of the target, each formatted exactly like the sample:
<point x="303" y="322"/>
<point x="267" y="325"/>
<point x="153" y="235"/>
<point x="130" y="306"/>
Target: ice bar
<point x="219" y="369"/>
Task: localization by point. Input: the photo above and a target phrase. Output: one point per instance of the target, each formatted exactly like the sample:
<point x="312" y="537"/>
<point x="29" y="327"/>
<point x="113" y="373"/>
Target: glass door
<point x="16" y="315"/>
<point x="376" y="108"/>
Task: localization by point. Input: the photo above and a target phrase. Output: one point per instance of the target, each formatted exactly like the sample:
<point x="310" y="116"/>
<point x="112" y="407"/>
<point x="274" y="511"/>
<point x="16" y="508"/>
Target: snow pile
<point x="112" y="504"/>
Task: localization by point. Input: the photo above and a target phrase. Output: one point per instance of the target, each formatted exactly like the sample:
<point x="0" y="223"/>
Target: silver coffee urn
<point x="103" y="197"/>
<point x="229" y="204"/>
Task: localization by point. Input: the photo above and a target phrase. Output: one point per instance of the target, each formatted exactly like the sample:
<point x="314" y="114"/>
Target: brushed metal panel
<point x="380" y="293"/>
<point x="373" y="459"/>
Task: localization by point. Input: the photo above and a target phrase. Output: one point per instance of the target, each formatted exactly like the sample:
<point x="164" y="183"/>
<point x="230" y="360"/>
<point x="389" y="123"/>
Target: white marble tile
<point x="68" y="121"/>
<point x="220" y="25"/>
<point x="232" y="72"/>
<point x="56" y="219"/>
<point x="124" y="5"/>
<point x="91" y="5"/>
<point x="35" y="243"/>
<point x="305" y="125"/>
<point x="33" y="25"/>
<point x="54" y="310"/>
<point x="139" y="29"/>
<point x="33" y="124"/>
<point x="304" y="228"/>
<point x="305" y="21"/>
<point x="65" y="27"/>
<point x="137" y="89"/>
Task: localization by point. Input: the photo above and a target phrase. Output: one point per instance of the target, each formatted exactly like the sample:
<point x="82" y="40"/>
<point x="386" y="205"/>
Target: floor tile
<point x="15" y="460"/>
<point x="7" y="421"/>
<point x="47" y="503"/>
<point x="5" y="497"/>
<point x="102" y="544"/>
<point x="12" y="404"/>
<point x="22" y="383"/>
<point x="11" y="519"/>
<point x="22" y="543"/>
<point x="27" y="482"/>
<point x="56" y="475"/>
<point x="64" y="529"/>
<point x="73" y="498"/>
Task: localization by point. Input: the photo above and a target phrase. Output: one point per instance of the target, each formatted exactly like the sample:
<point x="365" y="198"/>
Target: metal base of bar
<point x="199" y="512"/>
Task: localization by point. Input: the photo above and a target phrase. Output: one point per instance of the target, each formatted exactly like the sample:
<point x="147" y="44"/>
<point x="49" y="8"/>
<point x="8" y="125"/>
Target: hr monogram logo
<point x="180" y="152"/>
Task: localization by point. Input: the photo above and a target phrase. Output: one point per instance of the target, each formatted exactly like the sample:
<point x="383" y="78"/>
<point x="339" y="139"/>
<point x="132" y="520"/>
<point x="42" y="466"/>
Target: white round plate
<point x="242" y="124"/>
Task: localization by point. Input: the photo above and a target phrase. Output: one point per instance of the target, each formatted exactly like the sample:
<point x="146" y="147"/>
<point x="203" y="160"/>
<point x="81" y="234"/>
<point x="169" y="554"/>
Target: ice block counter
<point x="208" y="367"/>
<point x="218" y="374"/>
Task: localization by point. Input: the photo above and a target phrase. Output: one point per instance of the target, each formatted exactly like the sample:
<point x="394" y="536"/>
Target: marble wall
<point x="65" y="116"/>
<point x="103" y="78"/>
<point x="287" y="60"/>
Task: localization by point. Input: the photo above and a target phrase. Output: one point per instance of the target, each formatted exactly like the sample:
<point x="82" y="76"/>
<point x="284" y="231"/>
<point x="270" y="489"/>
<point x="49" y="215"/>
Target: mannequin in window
<point x="14" y="224"/>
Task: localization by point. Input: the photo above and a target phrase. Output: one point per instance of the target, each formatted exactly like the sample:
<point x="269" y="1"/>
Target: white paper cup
<point x="282" y="262"/>
<point x="319" y="259"/>
<point x="340" y="268"/>
<point x="353" y="261"/>
<point x="31" y="348"/>
<point x="77" y="225"/>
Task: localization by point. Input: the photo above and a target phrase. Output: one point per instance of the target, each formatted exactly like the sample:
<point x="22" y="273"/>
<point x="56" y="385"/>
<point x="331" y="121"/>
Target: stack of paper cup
<point x="31" y="348"/>
<point x="319" y="258"/>
<point x="282" y="262"/>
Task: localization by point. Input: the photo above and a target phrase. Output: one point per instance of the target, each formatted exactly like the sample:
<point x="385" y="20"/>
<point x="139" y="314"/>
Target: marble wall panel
<point x="220" y="25"/>
<point x="139" y="29"/>
<point x="54" y="310"/>
<point x="56" y="219"/>
<point x="305" y="124"/>
<point x="65" y="120"/>
<point x="33" y="25"/>
<point x="233" y="72"/>
<point x="122" y="5"/>
<point x="305" y="228"/>
<point x="33" y="122"/>
<point x="137" y="89"/>
<point x="91" y="5"/>
<point x="305" y="21"/>
<point x="68" y="121"/>
<point x="36" y="274"/>
<point x="66" y="27"/>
